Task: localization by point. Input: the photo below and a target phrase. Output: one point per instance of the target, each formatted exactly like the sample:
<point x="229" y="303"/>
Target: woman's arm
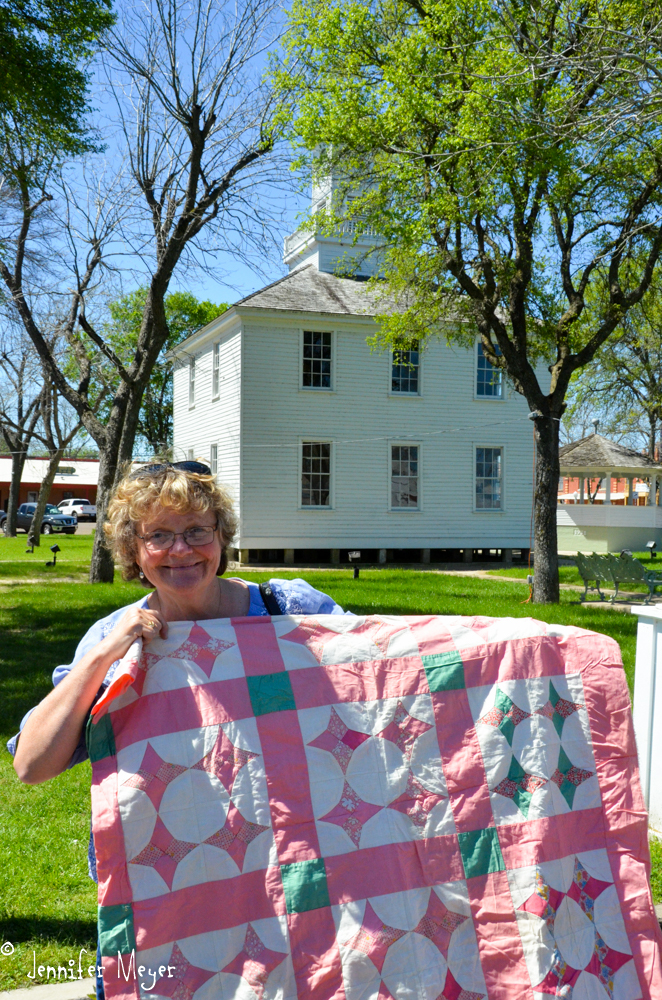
<point x="52" y="731"/>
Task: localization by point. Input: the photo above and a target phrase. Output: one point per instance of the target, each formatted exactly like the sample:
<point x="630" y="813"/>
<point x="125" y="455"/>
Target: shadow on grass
<point x="60" y="930"/>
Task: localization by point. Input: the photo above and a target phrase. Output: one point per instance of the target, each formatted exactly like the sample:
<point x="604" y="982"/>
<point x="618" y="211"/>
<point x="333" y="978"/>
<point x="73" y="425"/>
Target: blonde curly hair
<point x="140" y="495"/>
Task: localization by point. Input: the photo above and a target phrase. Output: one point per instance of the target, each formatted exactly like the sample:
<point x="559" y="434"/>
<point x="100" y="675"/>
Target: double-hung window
<point x="315" y="474"/>
<point x="216" y="371"/>
<point x="404" y="476"/>
<point x="316" y="369"/>
<point x="489" y="380"/>
<point x="213" y="459"/>
<point x="489" y="478"/>
<point x="405" y="371"/>
<point x="191" y="382"/>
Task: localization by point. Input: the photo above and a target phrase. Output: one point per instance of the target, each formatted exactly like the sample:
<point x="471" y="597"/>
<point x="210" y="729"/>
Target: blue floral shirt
<point x="295" y="597"/>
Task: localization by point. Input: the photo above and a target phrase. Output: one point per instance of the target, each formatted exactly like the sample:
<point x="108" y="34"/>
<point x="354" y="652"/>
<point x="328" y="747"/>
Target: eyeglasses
<point x="158" y="541"/>
<point x="196" y="467"/>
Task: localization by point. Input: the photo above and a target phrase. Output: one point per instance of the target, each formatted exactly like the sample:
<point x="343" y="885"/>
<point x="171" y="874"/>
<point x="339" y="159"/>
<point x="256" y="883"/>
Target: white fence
<point x="647" y="710"/>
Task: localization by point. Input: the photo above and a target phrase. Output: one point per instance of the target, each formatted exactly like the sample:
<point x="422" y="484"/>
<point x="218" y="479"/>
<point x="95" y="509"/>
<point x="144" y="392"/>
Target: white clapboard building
<point x="328" y="447"/>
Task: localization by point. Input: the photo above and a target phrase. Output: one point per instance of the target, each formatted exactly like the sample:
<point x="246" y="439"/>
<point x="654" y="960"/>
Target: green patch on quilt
<point x="271" y="693"/>
<point x="444" y="671"/>
<point x="481" y="852"/>
<point x="116" y="932"/>
<point x="305" y="885"/>
<point x="100" y="738"/>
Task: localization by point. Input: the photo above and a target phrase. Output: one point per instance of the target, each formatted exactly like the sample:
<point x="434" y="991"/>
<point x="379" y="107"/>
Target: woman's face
<point x="183" y="568"/>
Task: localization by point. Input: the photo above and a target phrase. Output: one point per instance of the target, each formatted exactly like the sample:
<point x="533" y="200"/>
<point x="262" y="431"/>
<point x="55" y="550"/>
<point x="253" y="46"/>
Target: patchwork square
<point x="370" y="819"/>
<point x="481" y="852"/>
<point x="536" y="745"/>
<point x="305" y="885"/>
<point x="444" y="671"/>
<point x="271" y="693"/>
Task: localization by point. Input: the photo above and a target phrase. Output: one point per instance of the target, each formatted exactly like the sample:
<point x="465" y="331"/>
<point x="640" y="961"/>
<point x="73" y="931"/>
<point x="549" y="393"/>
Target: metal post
<point x="288" y="557"/>
<point x="630" y="500"/>
<point x="608" y="490"/>
<point x="582" y="481"/>
<point x="382" y="555"/>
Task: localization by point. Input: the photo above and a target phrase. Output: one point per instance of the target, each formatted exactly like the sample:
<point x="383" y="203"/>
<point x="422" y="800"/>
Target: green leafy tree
<point x="510" y="156"/>
<point x="43" y="86"/>
<point x="184" y="315"/>
<point x="622" y="385"/>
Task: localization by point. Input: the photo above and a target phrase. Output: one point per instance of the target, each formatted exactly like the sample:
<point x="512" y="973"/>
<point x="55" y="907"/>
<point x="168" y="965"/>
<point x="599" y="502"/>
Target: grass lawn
<point x="72" y="561"/>
<point x="47" y="903"/>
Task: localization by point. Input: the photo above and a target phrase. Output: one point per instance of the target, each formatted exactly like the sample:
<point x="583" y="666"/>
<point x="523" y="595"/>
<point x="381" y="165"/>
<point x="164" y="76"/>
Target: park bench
<point x="616" y="570"/>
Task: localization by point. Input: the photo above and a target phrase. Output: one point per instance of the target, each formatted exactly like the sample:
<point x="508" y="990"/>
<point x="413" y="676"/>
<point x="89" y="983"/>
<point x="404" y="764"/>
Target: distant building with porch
<point x="76" y="477"/>
<point x="609" y="498"/>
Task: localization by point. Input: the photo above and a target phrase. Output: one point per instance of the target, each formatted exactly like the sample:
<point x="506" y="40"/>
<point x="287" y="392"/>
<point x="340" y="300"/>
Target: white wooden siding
<point x="212" y="420"/>
<point x="362" y="417"/>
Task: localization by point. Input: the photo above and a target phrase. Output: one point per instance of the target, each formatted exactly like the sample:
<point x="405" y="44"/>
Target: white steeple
<point x="331" y="253"/>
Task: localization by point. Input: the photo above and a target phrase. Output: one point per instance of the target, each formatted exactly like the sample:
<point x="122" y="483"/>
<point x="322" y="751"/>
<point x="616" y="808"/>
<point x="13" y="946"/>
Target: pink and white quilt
<point x="372" y="808"/>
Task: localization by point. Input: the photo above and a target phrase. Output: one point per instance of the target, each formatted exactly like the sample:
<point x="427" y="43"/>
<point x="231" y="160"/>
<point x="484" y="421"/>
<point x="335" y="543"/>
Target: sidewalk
<point x="79" y="989"/>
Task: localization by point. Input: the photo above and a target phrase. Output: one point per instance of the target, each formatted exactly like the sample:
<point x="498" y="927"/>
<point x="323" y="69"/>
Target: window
<point x="489" y="380"/>
<point x="191" y="382"/>
<point x="32" y="496"/>
<point x="190" y="455"/>
<point x="316" y="360"/>
<point x="215" y="370"/>
<point x="315" y="474"/>
<point x="213" y="459"/>
<point x="488" y="478"/>
<point x="404" y="372"/>
<point x="404" y="475"/>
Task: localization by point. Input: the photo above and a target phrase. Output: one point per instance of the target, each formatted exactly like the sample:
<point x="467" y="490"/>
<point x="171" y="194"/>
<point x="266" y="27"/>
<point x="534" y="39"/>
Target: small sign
<point x="66" y="470"/>
<point x="354" y="555"/>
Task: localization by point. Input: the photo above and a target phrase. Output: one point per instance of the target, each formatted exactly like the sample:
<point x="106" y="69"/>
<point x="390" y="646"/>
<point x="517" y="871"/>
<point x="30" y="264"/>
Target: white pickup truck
<point x="82" y="508"/>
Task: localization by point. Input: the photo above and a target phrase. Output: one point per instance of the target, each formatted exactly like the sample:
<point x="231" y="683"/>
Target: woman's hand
<point x="51" y="734"/>
<point x="136" y="623"/>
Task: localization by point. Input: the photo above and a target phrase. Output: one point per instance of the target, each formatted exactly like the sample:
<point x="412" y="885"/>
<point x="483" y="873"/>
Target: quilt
<point x="371" y="808"/>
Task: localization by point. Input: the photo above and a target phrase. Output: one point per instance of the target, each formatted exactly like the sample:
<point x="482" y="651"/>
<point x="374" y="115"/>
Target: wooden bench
<point x="613" y="569"/>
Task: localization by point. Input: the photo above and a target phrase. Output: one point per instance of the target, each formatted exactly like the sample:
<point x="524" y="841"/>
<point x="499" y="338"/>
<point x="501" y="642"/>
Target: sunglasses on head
<point x="195" y="467"/>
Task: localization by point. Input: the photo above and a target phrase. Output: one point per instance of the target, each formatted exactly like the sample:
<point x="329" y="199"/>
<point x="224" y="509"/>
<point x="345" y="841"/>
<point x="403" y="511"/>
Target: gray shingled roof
<point x="309" y="290"/>
<point x="598" y="453"/>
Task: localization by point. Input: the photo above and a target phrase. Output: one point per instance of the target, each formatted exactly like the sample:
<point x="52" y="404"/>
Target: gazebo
<point x="605" y="526"/>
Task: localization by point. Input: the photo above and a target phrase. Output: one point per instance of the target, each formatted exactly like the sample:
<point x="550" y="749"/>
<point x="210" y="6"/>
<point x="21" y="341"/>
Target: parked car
<point x="54" y="520"/>
<point x="80" y="508"/>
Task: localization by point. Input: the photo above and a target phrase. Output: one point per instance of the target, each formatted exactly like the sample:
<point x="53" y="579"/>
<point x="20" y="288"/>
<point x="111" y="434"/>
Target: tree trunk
<point x="652" y="434"/>
<point x="546" y="565"/>
<point x="17" y="465"/>
<point x="34" y="535"/>
<point x="130" y="428"/>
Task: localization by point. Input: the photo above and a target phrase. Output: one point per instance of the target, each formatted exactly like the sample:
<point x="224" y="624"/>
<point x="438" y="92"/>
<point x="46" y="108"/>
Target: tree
<point x="510" y="156"/>
<point x="199" y="130"/>
<point x="184" y="315"/>
<point x="21" y="389"/>
<point x="43" y="89"/>
<point x="623" y="382"/>
<point x="57" y="431"/>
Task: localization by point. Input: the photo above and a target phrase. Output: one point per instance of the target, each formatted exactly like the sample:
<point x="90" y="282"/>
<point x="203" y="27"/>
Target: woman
<point x="168" y="525"/>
